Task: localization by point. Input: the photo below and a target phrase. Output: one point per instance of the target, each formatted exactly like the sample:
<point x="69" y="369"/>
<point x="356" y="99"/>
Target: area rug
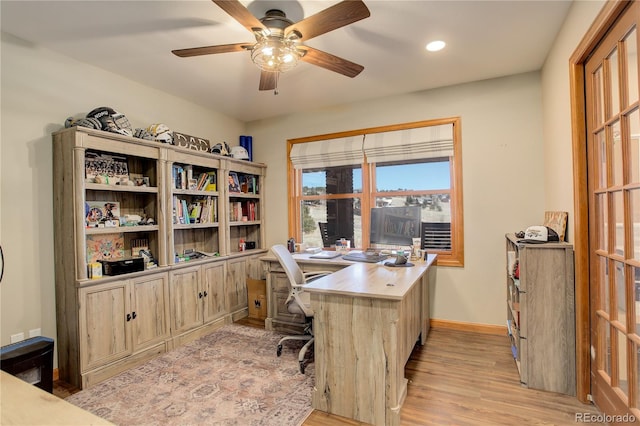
<point x="229" y="377"/>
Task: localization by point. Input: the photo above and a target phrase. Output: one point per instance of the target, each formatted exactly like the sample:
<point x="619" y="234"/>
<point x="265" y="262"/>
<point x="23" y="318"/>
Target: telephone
<point x="400" y="260"/>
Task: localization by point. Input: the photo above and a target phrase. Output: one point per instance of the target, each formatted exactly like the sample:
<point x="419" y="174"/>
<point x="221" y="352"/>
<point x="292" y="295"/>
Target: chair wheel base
<point x="279" y="350"/>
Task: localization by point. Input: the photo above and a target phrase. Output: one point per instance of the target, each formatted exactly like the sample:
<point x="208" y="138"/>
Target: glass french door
<point x="613" y="143"/>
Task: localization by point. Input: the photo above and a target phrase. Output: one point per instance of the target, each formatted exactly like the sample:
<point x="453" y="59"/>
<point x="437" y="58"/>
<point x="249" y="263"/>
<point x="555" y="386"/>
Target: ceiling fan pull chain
<point x="275" y="89"/>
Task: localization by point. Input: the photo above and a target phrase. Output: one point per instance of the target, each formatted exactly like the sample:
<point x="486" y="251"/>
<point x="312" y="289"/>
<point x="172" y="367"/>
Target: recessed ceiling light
<point x="434" y="46"/>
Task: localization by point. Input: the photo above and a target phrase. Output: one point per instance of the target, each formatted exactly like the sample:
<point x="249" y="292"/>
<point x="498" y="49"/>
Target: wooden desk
<point x="278" y="317"/>
<point x="24" y="404"/>
<point x="367" y="320"/>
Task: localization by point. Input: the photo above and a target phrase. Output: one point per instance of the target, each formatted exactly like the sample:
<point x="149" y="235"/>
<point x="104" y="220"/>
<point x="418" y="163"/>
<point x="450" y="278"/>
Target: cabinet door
<point x="214" y="291"/>
<point x="236" y="283"/>
<point x="105" y="332"/>
<point x="150" y="309"/>
<point x="186" y="299"/>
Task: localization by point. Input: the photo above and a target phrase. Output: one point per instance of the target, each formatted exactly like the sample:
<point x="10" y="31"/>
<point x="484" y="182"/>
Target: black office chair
<point x="435" y="236"/>
<point x="299" y="301"/>
<point x="324" y="233"/>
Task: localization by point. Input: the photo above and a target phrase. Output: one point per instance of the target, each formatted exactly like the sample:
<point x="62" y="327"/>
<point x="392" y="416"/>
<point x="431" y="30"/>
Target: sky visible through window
<point x="412" y="177"/>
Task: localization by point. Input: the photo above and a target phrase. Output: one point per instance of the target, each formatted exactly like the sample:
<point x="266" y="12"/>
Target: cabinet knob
<point x="205" y="294"/>
<point x="200" y="295"/>
<point x="128" y="317"/>
<point x="134" y="315"/>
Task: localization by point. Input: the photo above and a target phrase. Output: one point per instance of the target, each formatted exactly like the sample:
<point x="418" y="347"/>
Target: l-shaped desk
<point x="367" y="320"/>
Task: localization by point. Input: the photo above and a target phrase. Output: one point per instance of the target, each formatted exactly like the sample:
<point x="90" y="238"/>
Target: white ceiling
<point x="485" y="39"/>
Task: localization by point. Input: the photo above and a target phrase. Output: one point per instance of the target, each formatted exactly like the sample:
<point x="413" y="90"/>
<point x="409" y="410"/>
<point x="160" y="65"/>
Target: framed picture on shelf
<point x="558" y="222"/>
<point x="234" y="183"/>
<point x="101" y="211"/>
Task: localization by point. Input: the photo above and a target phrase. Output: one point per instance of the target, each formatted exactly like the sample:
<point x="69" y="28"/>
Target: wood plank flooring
<point x="467" y="378"/>
<point x="461" y="378"/>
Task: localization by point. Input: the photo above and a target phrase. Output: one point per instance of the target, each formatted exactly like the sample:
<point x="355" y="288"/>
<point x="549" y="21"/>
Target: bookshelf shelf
<point x="120" y="188"/>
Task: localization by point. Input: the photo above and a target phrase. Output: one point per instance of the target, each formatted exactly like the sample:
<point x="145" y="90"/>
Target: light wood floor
<point x="466" y="378"/>
<point x="461" y="378"/>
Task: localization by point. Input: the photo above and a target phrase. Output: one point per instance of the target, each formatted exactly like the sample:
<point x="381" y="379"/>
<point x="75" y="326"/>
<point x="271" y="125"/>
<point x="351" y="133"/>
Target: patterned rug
<point x="229" y="377"/>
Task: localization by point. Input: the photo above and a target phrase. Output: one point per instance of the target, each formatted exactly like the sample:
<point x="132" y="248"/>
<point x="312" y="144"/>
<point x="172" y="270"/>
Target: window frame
<point x="453" y="257"/>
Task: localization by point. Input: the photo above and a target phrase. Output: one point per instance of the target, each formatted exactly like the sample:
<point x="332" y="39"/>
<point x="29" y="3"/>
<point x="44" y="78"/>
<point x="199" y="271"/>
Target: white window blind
<point x="328" y="153"/>
<point x="410" y="144"/>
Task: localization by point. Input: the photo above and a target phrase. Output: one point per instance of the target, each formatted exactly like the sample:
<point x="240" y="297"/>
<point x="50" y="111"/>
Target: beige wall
<point x="516" y="162"/>
<point x="502" y="164"/>
<point x="39" y="90"/>
<point x="557" y="109"/>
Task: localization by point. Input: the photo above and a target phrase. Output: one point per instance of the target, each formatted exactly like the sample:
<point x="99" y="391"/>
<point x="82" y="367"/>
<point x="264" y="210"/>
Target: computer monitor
<point x="395" y="226"/>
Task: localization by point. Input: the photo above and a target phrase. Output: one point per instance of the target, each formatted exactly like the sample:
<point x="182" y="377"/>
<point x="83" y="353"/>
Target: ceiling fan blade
<point x="329" y="19"/>
<point x="210" y="50"/>
<point x="268" y="80"/>
<point x="330" y="62"/>
<point x="240" y="13"/>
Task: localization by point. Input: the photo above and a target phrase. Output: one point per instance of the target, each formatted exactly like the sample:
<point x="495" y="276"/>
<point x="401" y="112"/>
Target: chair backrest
<point x="288" y="263"/>
<point x="324" y="233"/>
<point x="435" y="236"/>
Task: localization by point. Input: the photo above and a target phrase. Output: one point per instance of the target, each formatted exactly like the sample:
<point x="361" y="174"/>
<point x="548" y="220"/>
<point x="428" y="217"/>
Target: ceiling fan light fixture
<point x="275" y="54"/>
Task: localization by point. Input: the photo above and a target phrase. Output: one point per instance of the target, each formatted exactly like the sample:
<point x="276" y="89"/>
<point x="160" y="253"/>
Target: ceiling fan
<point x="278" y="48"/>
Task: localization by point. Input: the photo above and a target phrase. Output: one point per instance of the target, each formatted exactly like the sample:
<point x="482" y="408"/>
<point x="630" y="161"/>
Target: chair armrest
<point x="310" y="276"/>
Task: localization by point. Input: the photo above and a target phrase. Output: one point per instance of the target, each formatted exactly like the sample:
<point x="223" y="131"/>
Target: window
<point x="336" y="180"/>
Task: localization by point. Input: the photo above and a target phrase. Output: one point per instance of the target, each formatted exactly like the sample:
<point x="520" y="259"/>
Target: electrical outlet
<point x="17" y="337"/>
<point x="35" y="332"/>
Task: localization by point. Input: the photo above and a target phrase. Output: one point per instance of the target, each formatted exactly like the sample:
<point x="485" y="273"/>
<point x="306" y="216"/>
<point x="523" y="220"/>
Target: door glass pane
<point x="598" y="91"/>
<point x="602" y="221"/>
<point x="634" y="146"/>
<point x="601" y="162"/>
<point x="607" y="342"/>
<point x="614" y="82"/>
<point x="603" y="284"/>
<point x="634" y="201"/>
<point x="636" y="297"/>
<point x="636" y="349"/>
<point x="616" y="153"/>
<point x="618" y="217"/>
<point x="631" y="47"/>
<point x="622" y="363"/>
<point x="621" y="307"/>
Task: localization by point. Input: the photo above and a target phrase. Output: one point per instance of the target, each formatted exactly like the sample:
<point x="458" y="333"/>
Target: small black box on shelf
<point x="122" y="266"/>
<point x="250" y="245"/>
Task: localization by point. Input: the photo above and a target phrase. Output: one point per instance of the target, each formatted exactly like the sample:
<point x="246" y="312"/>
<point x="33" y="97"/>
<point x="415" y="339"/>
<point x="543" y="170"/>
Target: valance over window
<point x="328" y="153"/>
<point x="410" y="144"/>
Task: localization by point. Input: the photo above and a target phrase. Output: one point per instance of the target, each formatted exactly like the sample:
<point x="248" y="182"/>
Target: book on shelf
<point x="252" y="184"/>
<point x="179" y="177"/>
<point x="200" y="210"/>
<point x="212" y="182"/>
<point x="203" y="180"/>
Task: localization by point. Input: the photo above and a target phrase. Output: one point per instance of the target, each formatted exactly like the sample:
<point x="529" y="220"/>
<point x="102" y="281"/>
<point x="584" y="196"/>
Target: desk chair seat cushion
<point x="294" y="307"/>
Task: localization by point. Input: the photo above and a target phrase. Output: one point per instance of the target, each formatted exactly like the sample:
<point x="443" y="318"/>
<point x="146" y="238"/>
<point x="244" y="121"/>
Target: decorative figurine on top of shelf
<point x="141" y="133"/>
<point x="111" y="120"/>
<point x="161" y="133"/>
<point x="239" y="153"/>
<point x="221" y="149"/>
